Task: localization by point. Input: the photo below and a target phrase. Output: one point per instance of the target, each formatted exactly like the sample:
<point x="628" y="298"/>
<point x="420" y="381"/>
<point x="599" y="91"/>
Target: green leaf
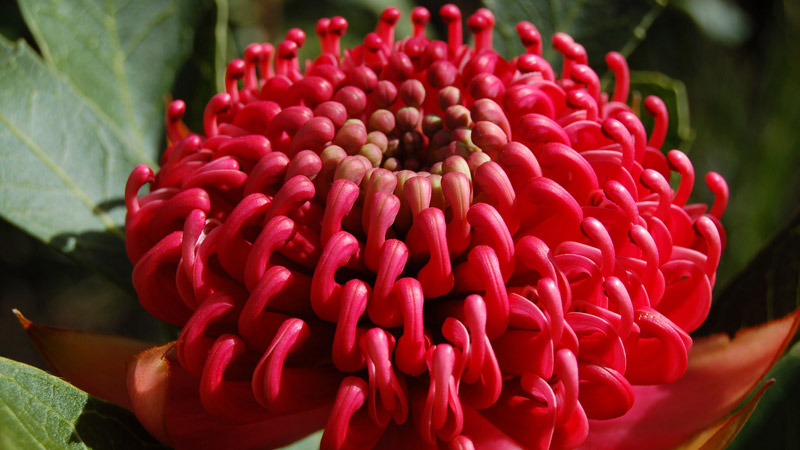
<point x="768" y="288"/>
<point x="73" y="126"/>
<point x="309" y="442"/>
<point x="673" y="92"/>
<point x="38" y="410"/>
<point x="63" y="165"/>
<point x="598" y="25"/>
<point x="121" y="56"/>
<point x="773" y="425"/>
<point x="721" y="20"/>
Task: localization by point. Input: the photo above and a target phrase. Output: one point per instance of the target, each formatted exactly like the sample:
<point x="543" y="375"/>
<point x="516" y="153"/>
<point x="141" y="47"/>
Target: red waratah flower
<point x="417" y="243"/>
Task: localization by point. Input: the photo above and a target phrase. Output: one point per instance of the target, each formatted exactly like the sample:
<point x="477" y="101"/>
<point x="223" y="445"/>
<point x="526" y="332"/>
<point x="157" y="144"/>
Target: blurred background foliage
<point x="738" y="62"/>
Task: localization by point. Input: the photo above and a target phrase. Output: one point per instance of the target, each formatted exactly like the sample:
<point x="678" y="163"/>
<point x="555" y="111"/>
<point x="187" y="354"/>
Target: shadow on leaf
<point x="105" y="425"/>
<point x="101" y="251"/>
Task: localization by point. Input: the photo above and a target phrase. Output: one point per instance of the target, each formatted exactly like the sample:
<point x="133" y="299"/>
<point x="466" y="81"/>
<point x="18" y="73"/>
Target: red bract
<point x="419" y="242"/>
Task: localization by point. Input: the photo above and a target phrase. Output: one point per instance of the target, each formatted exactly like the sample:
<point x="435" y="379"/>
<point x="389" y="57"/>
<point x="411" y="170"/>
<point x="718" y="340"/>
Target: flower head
<point x="420" y="242"/>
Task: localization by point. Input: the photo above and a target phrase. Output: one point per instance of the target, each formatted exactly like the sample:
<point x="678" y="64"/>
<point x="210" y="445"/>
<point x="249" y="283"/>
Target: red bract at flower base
<point x="419" y="243"/>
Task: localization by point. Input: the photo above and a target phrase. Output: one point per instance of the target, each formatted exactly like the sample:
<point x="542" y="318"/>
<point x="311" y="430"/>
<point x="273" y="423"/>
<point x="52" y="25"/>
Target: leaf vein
<point x="118" y="67"/>
<point x="16" y="416"/>
<point x="84" y="198"/>
<point x="146" y="28"/>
